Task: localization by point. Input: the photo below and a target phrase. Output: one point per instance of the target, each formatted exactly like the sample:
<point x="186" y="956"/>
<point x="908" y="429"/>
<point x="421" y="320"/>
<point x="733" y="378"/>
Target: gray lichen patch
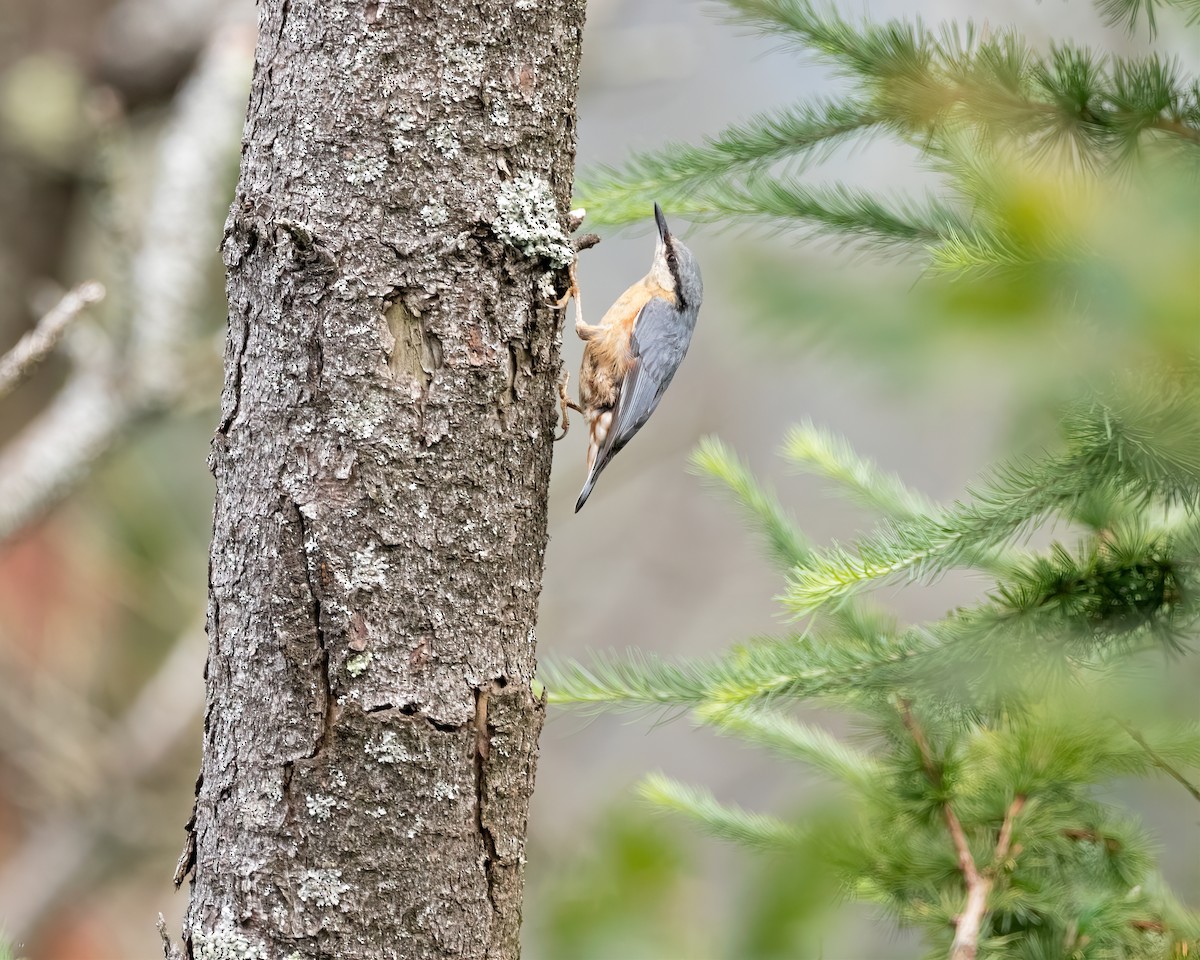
<point x="226" y="942"/>
<point x="322" y="888"/>
<point x="390" y="749"/>
<point x="369" y="570"/>
<point x="363" y="169"/>
<point x="320" y="806"/>
<point x="527" y="219"/>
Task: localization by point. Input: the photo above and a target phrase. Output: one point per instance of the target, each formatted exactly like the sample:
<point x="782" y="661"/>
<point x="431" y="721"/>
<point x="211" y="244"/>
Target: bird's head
<point x="674" y="267"/>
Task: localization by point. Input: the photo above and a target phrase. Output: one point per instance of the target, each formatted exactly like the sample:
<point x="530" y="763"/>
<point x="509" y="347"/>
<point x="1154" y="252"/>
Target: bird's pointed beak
<point x="663" y="230"/>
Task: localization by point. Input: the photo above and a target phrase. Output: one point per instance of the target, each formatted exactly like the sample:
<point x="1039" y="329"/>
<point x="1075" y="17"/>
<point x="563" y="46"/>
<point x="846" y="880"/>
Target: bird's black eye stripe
<point x="673" y="266"/>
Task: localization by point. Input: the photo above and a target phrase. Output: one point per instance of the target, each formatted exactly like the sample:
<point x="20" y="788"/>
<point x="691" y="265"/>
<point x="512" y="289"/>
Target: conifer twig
<point x="1004" y="844"/>
<point x="1159" y="762"/>
<point x="979" y="883"/>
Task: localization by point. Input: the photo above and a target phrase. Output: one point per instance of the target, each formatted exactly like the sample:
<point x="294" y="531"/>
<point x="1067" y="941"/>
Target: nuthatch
<point x="632" y="354"/>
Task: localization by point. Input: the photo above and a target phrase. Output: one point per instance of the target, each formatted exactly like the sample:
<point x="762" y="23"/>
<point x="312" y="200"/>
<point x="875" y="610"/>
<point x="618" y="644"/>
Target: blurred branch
<point x="54" y="852"/>
<point x="196" y="159"/>
<point x="59" y="448"/>
<point x="110" y="390"/>
<point x="145" y="47"/>
<point x="40" y="342"/>
<point x="1159" y="762"/>
<point x="979" y="884"/>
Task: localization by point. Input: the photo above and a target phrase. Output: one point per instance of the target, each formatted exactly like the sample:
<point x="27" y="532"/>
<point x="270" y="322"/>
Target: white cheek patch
<point x="660" y="273"/>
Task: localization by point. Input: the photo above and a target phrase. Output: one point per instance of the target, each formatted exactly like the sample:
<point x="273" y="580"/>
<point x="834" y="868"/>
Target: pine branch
<point x="1151" y="443"/>
<point x="823" y="453"/>
<point x="637" y="681"/>
<point x="1160" y="762"/>
<point x="985" y="655"/>
<point x="796" y="741"/>
<point x="787" y="544"/>
<point x="634" y="681"/>
<point x="1148" y="450"/>
<point x="832" y="210"/>
<point x="802" y="134"/>
<point x="981" y="253"/>
<point x="1128" y="12"/>
<point x="928" y="90"/>
<point x="1124" y="579"/>
<point x="914" y="548"/>
<point x="979" y="883"/>
<point x="991" y="79"/>
<point x="843" y="665"/>
<point x="727" y="822"/>
<point x="873" y="51"/>
<point x="991" y="655"/>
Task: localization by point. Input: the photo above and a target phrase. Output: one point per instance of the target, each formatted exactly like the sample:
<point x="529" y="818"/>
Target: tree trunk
<point x="381" y="466"/>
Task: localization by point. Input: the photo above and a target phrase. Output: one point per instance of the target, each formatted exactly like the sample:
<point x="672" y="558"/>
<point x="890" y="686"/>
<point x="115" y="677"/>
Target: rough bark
<point x="381" y="464"/>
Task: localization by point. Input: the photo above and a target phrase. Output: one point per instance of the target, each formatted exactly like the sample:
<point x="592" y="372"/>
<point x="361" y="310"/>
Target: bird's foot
<point x="566" y="404"/>
<point x="572" y="292"/>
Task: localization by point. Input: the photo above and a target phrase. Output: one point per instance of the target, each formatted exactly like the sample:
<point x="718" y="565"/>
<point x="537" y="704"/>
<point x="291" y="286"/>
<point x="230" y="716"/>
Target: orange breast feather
<point x="607" y="356"/>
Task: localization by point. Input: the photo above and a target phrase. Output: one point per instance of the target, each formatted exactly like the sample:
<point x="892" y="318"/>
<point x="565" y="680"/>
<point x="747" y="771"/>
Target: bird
<point x="631" y="355"/>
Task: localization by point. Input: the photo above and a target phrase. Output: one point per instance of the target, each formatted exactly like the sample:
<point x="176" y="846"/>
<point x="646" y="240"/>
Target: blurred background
<point x="102" y="597"/>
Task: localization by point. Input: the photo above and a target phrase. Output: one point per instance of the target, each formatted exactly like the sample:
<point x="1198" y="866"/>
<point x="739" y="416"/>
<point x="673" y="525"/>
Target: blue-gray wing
<point x="660" y="340"/>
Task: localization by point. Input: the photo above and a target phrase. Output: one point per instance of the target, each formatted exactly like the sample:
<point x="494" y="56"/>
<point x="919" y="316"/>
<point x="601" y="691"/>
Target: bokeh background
<point x="102" y="600"/>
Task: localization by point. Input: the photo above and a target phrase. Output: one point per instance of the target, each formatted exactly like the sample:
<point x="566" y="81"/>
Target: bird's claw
<point x="572" y="292"/>
<point x="566" y="404"/>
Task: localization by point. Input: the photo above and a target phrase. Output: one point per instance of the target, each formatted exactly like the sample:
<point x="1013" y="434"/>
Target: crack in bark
<point x="187" y="860"/>
<point x="412" y="712"/>
<point x="186" y="865"/>
<point x="239" y="367"/>
<point x="316" y="592"/>
<point x="316" y="361"/>
<point x="328" y="702"/>
<point x="284" y="10"/>
<point x="483" y="744"/>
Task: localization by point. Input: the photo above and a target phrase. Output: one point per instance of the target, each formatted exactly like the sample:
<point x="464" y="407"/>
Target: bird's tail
<point x="587" y="490"/>
<point x="599" y="453"/>
<point x="598" y="465"/>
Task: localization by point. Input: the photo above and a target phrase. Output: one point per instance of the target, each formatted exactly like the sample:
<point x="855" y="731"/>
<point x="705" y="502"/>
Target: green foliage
<point x="628" y="890"/>
<point x="618" y="897"/>
<point x="1129" y="12"/>
<point x="1005" y="715"/>
<point x="974" y="101"/>
<point x="1117" y="457"/>
<point x="819" y="452"/>
<point x="717" y="462"/>
<point x="975" y="805"/>
<point x="720" y="820"/>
